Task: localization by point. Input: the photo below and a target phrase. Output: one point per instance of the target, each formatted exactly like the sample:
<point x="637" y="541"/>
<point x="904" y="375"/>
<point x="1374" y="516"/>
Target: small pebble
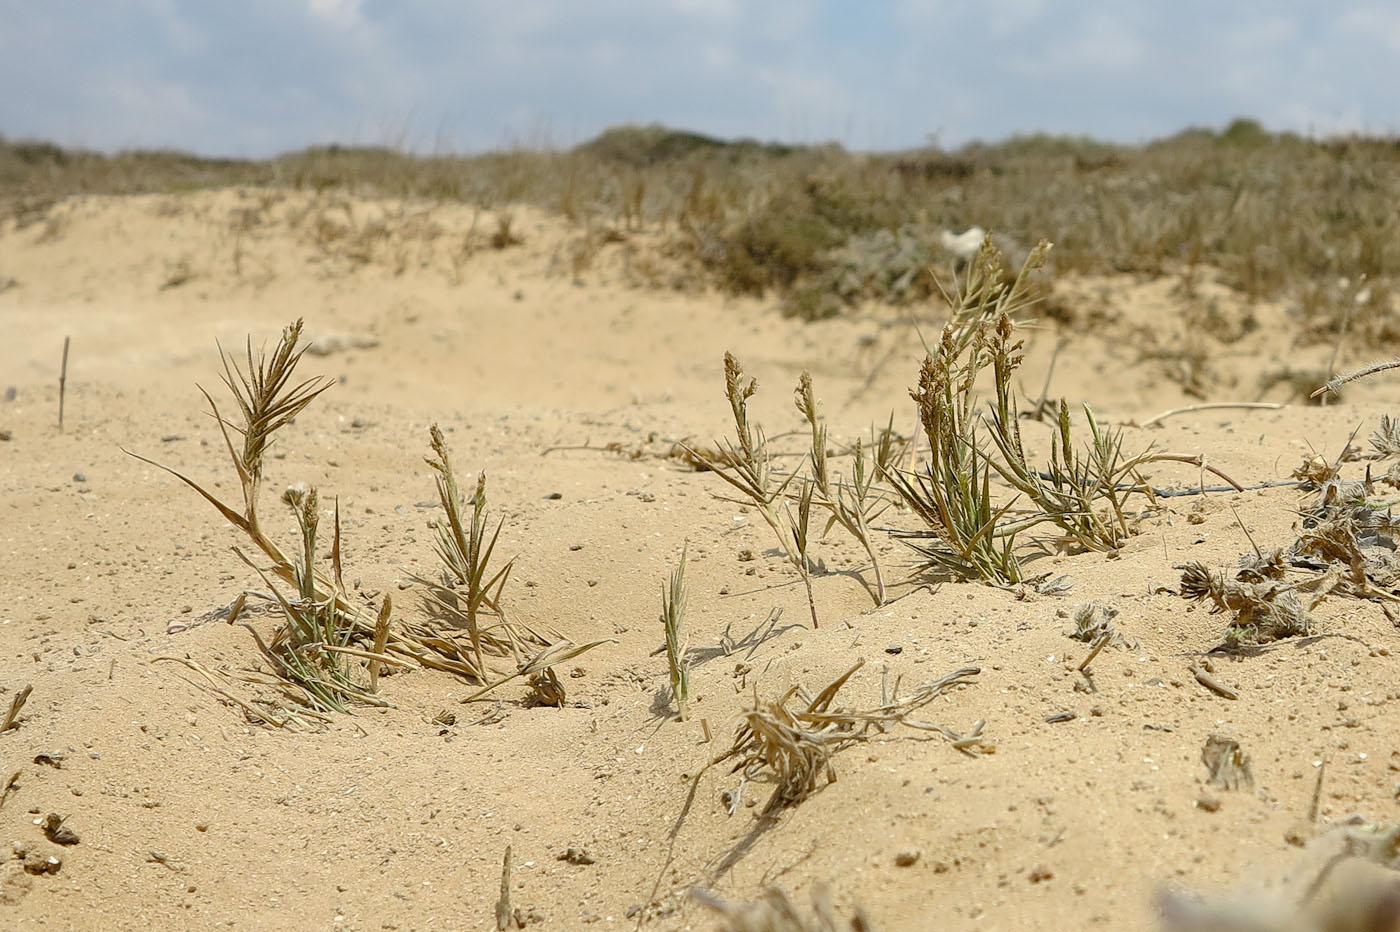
<point x="906" y="858"/>
<point x="79" y="477"/>
<point x="36" y="863"/>
<point x="576" y="855"/>
<point x="554" y="496"/>
<point x="56" y="831"/>
<point x="1208" y="803"/>
<point x="894" y="649"/>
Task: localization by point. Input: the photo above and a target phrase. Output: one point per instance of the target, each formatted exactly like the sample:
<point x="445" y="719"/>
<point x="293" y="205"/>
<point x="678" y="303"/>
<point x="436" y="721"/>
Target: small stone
<point x="576" y="855"/>
<point x="56" y="831"/>
<point x="52" y="759"/>
<point x="79" y="477"/>
<point x="6" y="435"/>
<point x="576" y="546"/>
<point x="1208" y="803"/>
<point x="906" y="858"/>
<point x="201" y="826"/>
<point x="592" y="583"/>
<point x="554" y="496"/>
<point x="1040" y="875"/>
<point x="36" y="863"/>
<point x="1300" y="833"/>
<point x="894" y="649"/>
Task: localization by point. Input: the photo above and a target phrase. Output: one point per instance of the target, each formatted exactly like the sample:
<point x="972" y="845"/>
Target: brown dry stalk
<point x="17" y="703"/>
<point x="381" y="639"/>
<point x="792" y="745"/>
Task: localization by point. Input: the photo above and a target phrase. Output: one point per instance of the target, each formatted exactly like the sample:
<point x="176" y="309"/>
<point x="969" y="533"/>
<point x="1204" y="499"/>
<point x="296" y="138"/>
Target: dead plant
<point x="790" y="741"/>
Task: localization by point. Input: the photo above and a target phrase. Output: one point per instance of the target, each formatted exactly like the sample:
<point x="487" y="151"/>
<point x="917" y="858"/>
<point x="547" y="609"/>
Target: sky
<point x="251" y="78"/>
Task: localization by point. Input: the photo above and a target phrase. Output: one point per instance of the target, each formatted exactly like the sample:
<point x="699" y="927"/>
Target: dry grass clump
<point x="748" y="467"/>
<point x="1260" y="612"/>
<point x="1345" y="545"/>
<point x="774" y="912"/>
<point x="329" y="650"/>
<point x="790" y="741"/>
<point x="852" y="503"/>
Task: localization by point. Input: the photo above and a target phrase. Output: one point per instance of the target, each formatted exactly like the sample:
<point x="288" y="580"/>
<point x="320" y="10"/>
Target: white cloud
<point x="347" y="15"/>
<point x="1103" y="43"/>
<point x="268" y="75"/>
<point x="1381" y="23"/>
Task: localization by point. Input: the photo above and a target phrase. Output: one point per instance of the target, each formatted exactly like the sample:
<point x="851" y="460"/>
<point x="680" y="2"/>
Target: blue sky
<point x="255" y="77"/>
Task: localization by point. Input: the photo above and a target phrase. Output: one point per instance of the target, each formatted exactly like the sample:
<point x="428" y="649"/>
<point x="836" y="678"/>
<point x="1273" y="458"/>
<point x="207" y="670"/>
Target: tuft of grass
<point x="326" y="642"/>
<point x="970" y="537"/>
<point x="309" y="652"/>
<point x="673" y="605"/>
<point x="852" y="504"/>
<point x="470" y="589"/>
<point x="314" y="652"/>
<point x="748" y="467"/>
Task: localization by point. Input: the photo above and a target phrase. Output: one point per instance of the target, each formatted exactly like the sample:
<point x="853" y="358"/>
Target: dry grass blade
<point x="673" y="604"/>
<point x="1334" y="384"/>
<point x="557" y="652"/>
<point x="16" y="704"/>
<point x="791" y="741"/>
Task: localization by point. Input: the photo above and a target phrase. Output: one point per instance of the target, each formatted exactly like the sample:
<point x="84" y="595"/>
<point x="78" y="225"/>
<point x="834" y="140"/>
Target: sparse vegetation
<point x="748" y="467"/>
<point x="824" y="228"/>
<point x="790" y="741"/>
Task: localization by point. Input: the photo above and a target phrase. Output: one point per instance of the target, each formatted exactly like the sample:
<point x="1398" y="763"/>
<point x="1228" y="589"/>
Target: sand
<point x="191" y="817"/>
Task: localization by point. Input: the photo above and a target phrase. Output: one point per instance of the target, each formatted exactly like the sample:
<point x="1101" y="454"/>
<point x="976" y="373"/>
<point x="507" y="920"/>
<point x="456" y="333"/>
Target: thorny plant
<point x="1344" y="545"/>
<point x="790" y="741"/>
<point x="673" y="604"/>
<point x="852" y="504"/>
<point x="1260" y="612"/>
<point x="748" y="467"/>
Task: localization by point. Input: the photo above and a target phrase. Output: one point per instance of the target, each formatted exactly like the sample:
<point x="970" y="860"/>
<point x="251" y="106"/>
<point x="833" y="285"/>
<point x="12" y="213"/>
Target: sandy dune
<point x="191" y="817"/>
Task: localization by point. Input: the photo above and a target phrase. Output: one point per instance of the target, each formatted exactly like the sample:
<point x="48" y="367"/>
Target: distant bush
<point x="821" y="228"/>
